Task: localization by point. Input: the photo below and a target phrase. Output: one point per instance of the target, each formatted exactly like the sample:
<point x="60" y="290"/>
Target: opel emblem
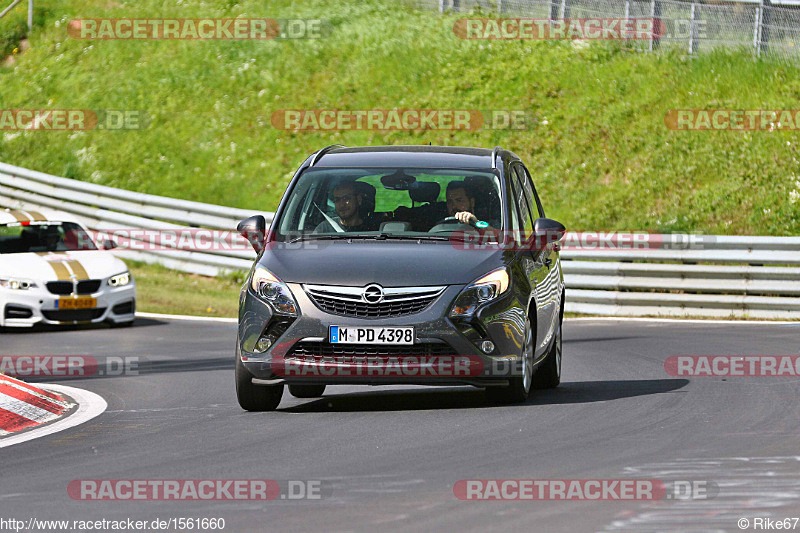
<point x="372" y="294"/>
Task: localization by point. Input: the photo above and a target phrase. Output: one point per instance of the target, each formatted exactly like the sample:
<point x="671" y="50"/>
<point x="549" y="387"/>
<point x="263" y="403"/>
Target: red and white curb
<point x="25" y="407"/>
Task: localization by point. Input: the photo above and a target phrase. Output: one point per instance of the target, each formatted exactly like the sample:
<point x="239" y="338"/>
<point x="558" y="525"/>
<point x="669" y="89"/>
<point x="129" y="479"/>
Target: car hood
<point x="98" y="264"/>
<point x="388" y="263"/>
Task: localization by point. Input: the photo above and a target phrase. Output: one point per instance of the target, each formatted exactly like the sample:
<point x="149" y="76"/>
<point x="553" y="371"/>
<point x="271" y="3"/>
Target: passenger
<point x="348" y="206"/>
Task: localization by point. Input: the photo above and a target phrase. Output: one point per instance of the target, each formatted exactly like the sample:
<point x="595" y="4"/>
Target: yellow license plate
<point x="76" y="303"/>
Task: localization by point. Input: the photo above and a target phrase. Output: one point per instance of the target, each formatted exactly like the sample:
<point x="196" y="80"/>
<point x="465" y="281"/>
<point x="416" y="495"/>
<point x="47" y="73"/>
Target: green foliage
<point x="599" y="149"/>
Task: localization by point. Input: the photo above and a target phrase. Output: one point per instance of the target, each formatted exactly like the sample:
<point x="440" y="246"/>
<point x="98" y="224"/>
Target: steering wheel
<point x="446" y="224"/>
<point x="449" y="220"/>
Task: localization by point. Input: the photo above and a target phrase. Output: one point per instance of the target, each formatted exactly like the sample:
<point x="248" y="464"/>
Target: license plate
<point x="76" y="303"/>
<point x="371" y="335"/>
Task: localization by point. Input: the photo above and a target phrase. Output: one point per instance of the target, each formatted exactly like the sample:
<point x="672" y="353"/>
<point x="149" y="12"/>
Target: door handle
<point x="548" y="262"/>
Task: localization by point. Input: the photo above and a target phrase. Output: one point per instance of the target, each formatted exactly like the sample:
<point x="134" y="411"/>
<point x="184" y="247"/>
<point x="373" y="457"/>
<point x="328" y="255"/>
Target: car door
<point x="533" y="265"/>
<point x="550" y="290"/>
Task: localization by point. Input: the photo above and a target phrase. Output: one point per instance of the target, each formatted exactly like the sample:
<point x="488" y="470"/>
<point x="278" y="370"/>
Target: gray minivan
<point x="402" y="265"/>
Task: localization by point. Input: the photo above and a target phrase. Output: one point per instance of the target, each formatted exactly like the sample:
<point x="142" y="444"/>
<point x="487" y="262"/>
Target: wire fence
<point x="760" y="27"/>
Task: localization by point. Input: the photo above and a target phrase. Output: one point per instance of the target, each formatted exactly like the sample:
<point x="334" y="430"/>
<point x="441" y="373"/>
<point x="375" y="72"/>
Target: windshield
<point x="17" y="238"/>
<point x="400" y="202"/>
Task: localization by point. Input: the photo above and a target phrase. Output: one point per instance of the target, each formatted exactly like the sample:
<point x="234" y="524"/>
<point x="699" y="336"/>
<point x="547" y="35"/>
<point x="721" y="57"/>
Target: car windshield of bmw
<point x="19" y="238"/>
<point x="332" y="203"/>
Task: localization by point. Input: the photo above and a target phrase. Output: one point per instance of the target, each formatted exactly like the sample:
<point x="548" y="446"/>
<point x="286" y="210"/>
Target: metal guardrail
<point x="106" y="208"/>
<point x="676" y="275"/>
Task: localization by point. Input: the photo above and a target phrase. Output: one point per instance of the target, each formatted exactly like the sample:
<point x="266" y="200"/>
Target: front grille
<point x="60" y="287"/>
<point x="323" y="349"/>
<point x="89" y="286"/>
<point x="63" y="288"/>
<point x="70" y="315"/>
<point x="15" y="311"/>
<point x="397" y="301"/>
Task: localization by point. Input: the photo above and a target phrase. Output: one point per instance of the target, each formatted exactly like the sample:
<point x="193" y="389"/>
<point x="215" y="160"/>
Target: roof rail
<point x="324" y="151"/>
<point x="494" y="156"/>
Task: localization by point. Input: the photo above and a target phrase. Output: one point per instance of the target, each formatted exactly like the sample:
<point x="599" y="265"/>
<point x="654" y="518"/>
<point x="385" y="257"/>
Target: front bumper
<point x="445" y="351"/>
<point x="24" y="308"/>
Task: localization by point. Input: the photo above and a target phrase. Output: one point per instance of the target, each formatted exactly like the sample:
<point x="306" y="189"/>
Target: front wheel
<point x="255" y="397"/>
<point x="548" y="375"/>
<point x="519" y="387"/>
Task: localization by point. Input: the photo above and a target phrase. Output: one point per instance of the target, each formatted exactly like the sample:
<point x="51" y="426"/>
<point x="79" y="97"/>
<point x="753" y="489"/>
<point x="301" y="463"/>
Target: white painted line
<point x="90" y="405"/>
<point x="681" y="320"/>
<point x="187" y="317"/>
<point x="25" y="410"/>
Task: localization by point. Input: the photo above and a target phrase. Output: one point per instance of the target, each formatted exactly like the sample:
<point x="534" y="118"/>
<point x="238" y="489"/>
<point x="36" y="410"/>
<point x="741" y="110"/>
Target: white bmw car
<point x="52" y="272"/>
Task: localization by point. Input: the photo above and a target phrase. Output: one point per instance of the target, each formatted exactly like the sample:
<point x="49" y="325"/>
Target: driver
<point x="461" y="204"/>
<point x="52" y="239"/>
<point x="348" y="206"/>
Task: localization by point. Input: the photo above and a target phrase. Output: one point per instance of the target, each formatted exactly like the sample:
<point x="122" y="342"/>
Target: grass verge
<point x="598" y="146"/>
<point x="161" y="290"/>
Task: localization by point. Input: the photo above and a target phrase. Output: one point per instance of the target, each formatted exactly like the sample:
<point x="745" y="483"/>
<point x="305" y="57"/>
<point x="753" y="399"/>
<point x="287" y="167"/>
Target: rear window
<point x="44" y="237"/>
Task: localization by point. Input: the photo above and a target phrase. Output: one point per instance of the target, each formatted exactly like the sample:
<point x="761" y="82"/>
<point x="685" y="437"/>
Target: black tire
<point x="306" y="391"/>
<point x="519" y="387"/>
<point x="548" y="375"/>
<point x="255" y="397"/>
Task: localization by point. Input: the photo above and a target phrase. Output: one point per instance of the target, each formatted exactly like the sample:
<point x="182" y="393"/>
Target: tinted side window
<point x="525" y="176"/>
<point x="522" y="203"/>
<point x="513" y="212"/>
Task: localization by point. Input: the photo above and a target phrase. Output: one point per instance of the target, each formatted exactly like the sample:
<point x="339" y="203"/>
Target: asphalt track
<point x="388" y="457"/>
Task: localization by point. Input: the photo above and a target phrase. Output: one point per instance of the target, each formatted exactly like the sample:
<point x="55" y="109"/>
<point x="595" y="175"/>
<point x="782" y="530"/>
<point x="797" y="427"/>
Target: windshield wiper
<point x="398" y="237"/>
<point x="370" y="236"/>
<point x="324" y="237"/>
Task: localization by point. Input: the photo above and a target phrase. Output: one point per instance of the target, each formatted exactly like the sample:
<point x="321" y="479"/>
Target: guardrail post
<point x="756" y="26"/>
<point x="655" y="35"/>
<point x="692" y="43"/>
<point x="764" y="24"/>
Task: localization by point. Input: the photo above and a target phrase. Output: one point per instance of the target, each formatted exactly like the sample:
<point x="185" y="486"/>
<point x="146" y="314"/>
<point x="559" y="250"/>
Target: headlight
<point x="274" y="291"/>
<point x="120" y="280"/>
<point x="16" y="284"/>
<point x="479" y="292"/>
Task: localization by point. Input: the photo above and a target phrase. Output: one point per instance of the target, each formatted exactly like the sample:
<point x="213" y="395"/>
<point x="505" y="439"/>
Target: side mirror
<point x="548" y="230"/>
<point x="108" y="244"/>
<point x="254" y="229"/>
